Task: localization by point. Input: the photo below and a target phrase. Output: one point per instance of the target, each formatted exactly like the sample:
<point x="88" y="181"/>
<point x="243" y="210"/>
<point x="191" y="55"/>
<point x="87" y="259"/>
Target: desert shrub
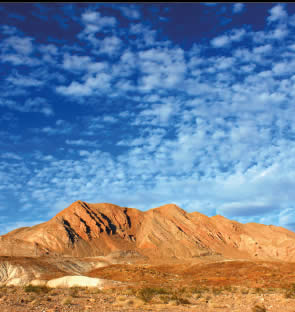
<point x="199" y="290"/>
<point x="228" y="288"/>
<point x="94" y="290"/>
<point x="245" y="291"/>
<point x="121" y="298"/>
<point x="271" y="290"/>
<point x="35" y="302"/>
<point x="258" y="290"/>
<point x="165" y="299"/>
<point x="129" y="291"/>
<point x="160" y="291"/>
<point x="258" y="308"/>
<point x="181" y="290"/>
<point x="216" y="291"/>
<point x="74" y="292"/>
<point x="130" y="302"/>
<point x="183" y="301"/>
<point x="290" y="292"/>
<point x="67" y="301"/>
<point x="146" y="294"/>
<point x="208" y="298"/>
<point x="179" y="300"/>
<point x="36" y="289"/>
<point x="3" y="290"/>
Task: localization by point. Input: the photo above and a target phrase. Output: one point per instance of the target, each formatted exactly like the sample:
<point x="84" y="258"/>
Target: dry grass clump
<point x="35" y="301"/>
<point x="164" y="299"/>
<point x="129" y="291"/>
<point x="199" y="290"/>
<point x="164" y="295"/>
<point x="290" y="292"/>
<point x="3" y="291"/>
<point x="258" y="308"/>
<point x="146" y="294"/>
<point x="37" y="289"/>
<point x="258" y="290"/>
<point x="67" y="301"/>
<point x="94" y="290"/>
<point x="217" y="291"/>
<point x="179" y="300"/>
<point x="245" y="291"/>
<point x="74" y="292"/>
<point x="123" y="300"/>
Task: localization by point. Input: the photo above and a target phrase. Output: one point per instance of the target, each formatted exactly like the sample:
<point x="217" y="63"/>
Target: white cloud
<point x="238" y="8"/>
<point x="279" y="33"/>
<point x="30" y="105"/>
<point x="95" y="18"/>
<point x="226" y="39"/>
<point x="220" y="41"/>
<point x="220" y="128"/>
<point x="10" y="155"/>
<point x="24" y="81"/>
<point x="237" y="34"/>
<point x="110" y="119"/>
<point x="130" y="11"/>
<point x="158" y="114"/>
<point x="239" y="209"/>
<point x="6" y="227"/>
<point x="94" y="23"/>
<point x="99" y="82"/>
<point x="263" y="49"/>
<point x="277" y="13"/>
<point x="19" y="45"/>
<point x="75" y="62"/>
<point x="110" y="45"/>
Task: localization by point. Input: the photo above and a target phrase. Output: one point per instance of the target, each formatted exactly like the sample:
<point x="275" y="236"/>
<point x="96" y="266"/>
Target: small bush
<point x="258" y="290"/>
<point x="179" y="300"/>
<point x="146" y="294"/>
<point x="36" y="289"/>
<point x="290" y="293"/>
<point x="164" y="299"/>
<point x="121" y="298"/>
<point x="244" y="291"/>
<point x="128" y="291"/>
<point x="199" y="290"/>
<point x="74" y="292"/>
<point x="67" y="301"/>
<point x="258" y="308"/>
<point x="183" y="301"/>
<point x="216" y="291"/>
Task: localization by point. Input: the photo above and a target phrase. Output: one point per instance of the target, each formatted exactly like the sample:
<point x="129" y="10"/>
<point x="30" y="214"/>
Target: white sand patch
<point x="38" y="282"/>
<point x="75" y="280"/>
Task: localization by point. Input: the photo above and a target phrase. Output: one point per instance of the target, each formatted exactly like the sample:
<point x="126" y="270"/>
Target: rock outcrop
<point x="166" y="232"/>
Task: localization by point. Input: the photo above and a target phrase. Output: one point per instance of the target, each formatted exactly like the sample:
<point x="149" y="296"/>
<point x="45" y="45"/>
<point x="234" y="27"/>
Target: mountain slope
<point x="166" y="232"/>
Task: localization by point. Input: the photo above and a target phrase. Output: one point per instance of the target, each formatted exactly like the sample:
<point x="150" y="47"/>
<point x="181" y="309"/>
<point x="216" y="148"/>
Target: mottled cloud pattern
<point x="110" y="104"/>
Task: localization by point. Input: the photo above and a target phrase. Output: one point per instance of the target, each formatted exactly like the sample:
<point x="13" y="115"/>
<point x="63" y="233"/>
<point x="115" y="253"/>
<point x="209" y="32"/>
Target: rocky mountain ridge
<point x="166" y="232"/>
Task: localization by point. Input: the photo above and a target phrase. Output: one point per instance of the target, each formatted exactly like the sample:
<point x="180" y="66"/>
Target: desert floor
<point x="233" y="286"/>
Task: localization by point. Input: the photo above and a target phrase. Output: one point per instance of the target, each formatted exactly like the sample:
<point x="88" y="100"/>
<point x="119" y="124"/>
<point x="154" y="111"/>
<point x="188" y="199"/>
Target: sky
<point x="142" y="105"/>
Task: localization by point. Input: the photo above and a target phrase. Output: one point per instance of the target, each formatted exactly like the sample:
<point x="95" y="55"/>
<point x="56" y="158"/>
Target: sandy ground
<point x="21" y="299"/>
<point x="227" y="286"/>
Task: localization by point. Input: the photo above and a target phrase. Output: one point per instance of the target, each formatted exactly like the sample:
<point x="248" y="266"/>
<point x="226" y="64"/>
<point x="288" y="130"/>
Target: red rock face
<point x="166" y="232"/>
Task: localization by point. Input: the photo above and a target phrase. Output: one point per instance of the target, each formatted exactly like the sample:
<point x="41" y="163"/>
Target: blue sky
<point x="144" y="105"/>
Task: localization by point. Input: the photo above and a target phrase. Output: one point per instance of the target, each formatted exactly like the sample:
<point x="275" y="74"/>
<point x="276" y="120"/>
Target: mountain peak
<point x="169" y="209"/>
<point x="88" y="229"/>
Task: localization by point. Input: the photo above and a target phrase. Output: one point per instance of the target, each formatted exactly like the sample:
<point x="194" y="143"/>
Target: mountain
<point x="166" y="232"/>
